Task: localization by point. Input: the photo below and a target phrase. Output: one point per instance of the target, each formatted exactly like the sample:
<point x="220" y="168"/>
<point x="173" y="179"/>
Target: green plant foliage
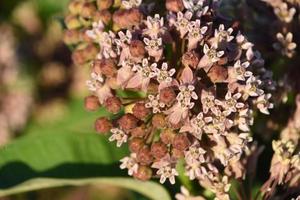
<point x="149" y="189"/>
<point x="68" y="152"/>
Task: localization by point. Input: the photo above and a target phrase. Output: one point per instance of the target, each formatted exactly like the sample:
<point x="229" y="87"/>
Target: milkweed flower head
<point x="183" y="85"/>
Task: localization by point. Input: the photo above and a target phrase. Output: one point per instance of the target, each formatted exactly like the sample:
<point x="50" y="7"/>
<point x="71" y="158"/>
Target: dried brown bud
<point x="104" y="4"/>
<point x="88" y="10"/>
<point x="174" y="5"/>
<point x="137" y="48"/>
<point x="127" y="18"/>
<point x="140" y="111"/>
<point x="113" y="104"/>
<point x="135" y="144"/>
<point x="218" y="74"/>
<point x="167" y="136"/>
<point x="181" y="142"/>
<point x="159" y="121"/>
<point x="144" y="156"/>
<point x="128" y="121"/>
<point x="190" y="59"/>
<point x="167" y="95"/>
<point x="144" y="173"/>
<point x="72" y="22"/>
<point x="138" y="132"/>
<point x="158" y="150"/>
<point x="103" y="125"/>
<point x="91" y="103"/>
<point x="71" y="37"/>
<point x="84" y="54"/>
<point x="106" y="67"/>
<point x="103" y="15"/>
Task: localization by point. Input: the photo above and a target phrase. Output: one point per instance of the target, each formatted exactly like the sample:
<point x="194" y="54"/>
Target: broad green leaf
<point x="149" y="189"/>
<point x="62" y="155"/>
<point x="68" y="152"/>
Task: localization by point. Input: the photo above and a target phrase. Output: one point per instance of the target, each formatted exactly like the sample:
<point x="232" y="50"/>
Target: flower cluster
<point x="196" y="82"/>
<point x="286" y="13"/>
<point x="285" y="165"/>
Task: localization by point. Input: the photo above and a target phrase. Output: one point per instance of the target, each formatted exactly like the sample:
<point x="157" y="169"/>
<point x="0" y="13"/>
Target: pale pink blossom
<point x="155" y="104"/>
<point x="211" y="56"/>
<point x="165" y="170"/>
<point x="130" y="163"/>
<point x="118" y="135"/>
<point x="142" y="76"/>
<point x="263" y="103"/>
<point x="164" y="76"/>
<point x="182" y="23"/>
<point x="239" y="71"/>
<point x="154" y="47"/>
<point x="155" y="26"/>
<point x="196" y="34"/>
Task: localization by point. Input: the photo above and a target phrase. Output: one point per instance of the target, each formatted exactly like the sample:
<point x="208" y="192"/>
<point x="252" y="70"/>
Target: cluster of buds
<point x="82" y="14"/>
<point x="286" y="12"/>
<point x="182" y="87"/>
<point x="285" y="165"/>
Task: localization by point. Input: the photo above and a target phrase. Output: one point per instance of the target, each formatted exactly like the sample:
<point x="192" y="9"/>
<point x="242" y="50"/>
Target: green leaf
<point x="62" y="155"/>
<point x="66" y="151"/>
<point x="149" y="189"/>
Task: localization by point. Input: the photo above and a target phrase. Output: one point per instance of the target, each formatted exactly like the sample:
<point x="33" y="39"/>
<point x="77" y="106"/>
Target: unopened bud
<point x="158" y="150"/>
<point x="103" y="125"/>
<point x="91" y="103"/>
<point x="113" y="104"/>
<point x="104" y="4"/>
<point x="128" y="122"/>
<point x="138" y="132"/>
<point x="85" y="53"/>
<point x="88" y="10"/>
<point x="218" y="74"/>
<point x="174" y="5"/>
<point x="106" y="67"/>
<point x="103" y="15"/>
<point x="72" y="22"/>
<point x="127" y="18"/>
<point x="159" y="121"/>
<point x="135" y="144"/>
<point x="137" y="48"/>
<point x="144" y="156"/>
<point x="190" y="59"/>
<point x="181" y="142"/>
<point x="167" y="96"/>
<point x="75" y="7"/>
<point x="167" y="136"/>
<point x="71" y="37"/>
<point x="140" y="111"/>
<point x="78" y="57"/>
